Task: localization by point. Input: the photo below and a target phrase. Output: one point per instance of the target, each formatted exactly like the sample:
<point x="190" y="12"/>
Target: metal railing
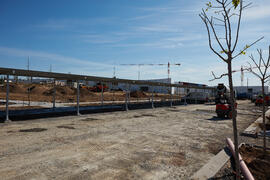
<point x="62" y="76"/>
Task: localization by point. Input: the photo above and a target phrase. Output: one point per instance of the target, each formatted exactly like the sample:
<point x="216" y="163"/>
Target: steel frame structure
<point x="62" y="76"/>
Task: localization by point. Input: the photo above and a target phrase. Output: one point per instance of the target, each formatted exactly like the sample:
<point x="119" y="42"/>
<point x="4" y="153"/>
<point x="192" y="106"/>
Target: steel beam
<point x="63" y="76"/>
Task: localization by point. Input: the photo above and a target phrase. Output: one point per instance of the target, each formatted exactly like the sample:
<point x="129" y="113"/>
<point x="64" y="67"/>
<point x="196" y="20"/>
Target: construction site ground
<point x="160" y="143"/>
<point x="66" y="94"/>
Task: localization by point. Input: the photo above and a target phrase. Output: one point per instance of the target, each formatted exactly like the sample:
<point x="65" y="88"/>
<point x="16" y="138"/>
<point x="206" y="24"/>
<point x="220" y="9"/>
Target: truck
<point x="197" y="97"/>
<point x="223" y="105"/>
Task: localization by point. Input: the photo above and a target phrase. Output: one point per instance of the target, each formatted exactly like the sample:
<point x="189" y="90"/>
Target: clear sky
<point x="91" y="36"/>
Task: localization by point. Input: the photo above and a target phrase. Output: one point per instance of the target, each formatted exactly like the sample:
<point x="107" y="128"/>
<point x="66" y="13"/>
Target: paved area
<point x="163" y="143"/>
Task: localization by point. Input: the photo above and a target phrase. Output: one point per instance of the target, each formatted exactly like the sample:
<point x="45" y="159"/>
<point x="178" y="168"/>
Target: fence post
<point x="78" y="98"/>
<point x="54" y="91"/>
<point x="126" y="100"/>
<point x="153" y="98"/>
<point x="28" y="91"/>
<point x="185" y="96"/>
<point x="102" y="97"/>
<point x="171" y="103"/>
<point x="196" y="101"/>
<point x="129" y="93"/>
<point x="7" y="100"/>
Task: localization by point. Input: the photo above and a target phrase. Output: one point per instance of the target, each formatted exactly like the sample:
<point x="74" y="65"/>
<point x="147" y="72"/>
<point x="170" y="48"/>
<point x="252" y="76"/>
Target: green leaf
<point x="226" y="51"/>
<point x="247" y="46"/>
<point x="235" y="3"/>
<point x="243" y="52"/>
<point x="209" y="5"/>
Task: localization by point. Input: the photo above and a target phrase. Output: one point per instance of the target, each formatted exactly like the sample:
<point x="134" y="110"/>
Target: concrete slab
<point x="253" y="130"/>
<point x="210" y="169"/>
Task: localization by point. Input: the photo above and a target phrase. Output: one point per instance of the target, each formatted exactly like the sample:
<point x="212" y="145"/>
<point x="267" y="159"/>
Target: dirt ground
<point x="44" y="92"/>
<point x="257" y="162"/>
<point x="161" y="143"/>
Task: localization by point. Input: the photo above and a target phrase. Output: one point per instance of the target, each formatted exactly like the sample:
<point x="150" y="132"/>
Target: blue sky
<point x="91" y="36"/>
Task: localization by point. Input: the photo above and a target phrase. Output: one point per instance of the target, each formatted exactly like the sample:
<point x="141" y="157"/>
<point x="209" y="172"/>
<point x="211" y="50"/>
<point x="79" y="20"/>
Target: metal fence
<point x="78" y="78"/>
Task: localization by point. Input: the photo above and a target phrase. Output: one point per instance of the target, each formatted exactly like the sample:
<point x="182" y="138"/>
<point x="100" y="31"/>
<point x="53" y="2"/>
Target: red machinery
<point x="224" y="110"/>
<point x="223" y="107"/>
<point x="98" y="87"/>
<point x="259" y="100"/>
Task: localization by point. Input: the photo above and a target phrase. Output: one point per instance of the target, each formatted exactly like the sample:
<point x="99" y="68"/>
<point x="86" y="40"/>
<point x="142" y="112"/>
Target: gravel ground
<point x="163" y="143"/>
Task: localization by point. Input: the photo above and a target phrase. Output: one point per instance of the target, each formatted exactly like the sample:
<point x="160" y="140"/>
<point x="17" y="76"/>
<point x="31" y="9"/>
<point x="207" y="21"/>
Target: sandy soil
<point x="163" y="143"/>
<point x="257" y="162"/>
<point x="43" y="92"/>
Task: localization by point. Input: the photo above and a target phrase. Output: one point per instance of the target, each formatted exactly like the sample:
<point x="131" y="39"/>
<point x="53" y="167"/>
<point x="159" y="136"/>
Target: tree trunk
<point x="263" y="112"/>
<point x="235" y="132"/>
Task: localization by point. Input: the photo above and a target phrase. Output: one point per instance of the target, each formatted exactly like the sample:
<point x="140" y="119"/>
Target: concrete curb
<point x="253" y="129"/>
<point x="210" y="169"/>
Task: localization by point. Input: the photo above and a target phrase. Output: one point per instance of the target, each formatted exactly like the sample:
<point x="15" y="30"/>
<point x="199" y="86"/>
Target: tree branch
<point x="214" y="32"/>
<point x="215" y="78"/>
<point x="202" y="16"/>
<point x="263" y="77"/>
<point x="226" y="74"/>
<point x="248" y="47"/>
<point x="250" y="70"/>
<point x="238" y="25"/>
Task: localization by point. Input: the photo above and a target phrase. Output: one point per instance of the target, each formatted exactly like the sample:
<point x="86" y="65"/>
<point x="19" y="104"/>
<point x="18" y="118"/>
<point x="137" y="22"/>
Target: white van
<point x="197" y="97"/>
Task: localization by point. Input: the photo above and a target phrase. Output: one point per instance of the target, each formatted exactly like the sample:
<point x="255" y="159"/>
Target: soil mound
<point x="257" y="163"/>
<point x="49" y="92"/>
<point x="85" y="92"/>
<point x="13" y="88"/>
<point x="138" y="94"/>
<point x="59" y="90"/>
<point x="65" y="90"/>
<point x="37" y="89"/>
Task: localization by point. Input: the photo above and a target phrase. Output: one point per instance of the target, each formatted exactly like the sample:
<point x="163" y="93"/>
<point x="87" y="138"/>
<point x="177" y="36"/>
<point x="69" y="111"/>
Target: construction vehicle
<point x="223" y="105"/>
<point x="259" y="100"/>
<point x="98" y="88"/>
<point x="197" y="97"/>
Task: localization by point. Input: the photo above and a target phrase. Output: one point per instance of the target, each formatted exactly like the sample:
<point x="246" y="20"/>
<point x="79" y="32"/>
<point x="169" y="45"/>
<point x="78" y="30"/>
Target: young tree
<point x="261" y="71"/>
<point x="226" y="13"/>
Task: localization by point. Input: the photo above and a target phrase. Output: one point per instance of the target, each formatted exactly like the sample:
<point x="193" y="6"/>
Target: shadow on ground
<point x="215" y="118"/>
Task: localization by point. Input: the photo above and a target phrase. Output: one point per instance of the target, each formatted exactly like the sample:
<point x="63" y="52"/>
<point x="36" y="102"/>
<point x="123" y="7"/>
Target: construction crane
<point x="139" y="65"/>
<point x="242" y="73"/>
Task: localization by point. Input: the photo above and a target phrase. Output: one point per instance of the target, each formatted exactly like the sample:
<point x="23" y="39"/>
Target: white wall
<point x="135" y="87"/>
<point x="255" y="89"/>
